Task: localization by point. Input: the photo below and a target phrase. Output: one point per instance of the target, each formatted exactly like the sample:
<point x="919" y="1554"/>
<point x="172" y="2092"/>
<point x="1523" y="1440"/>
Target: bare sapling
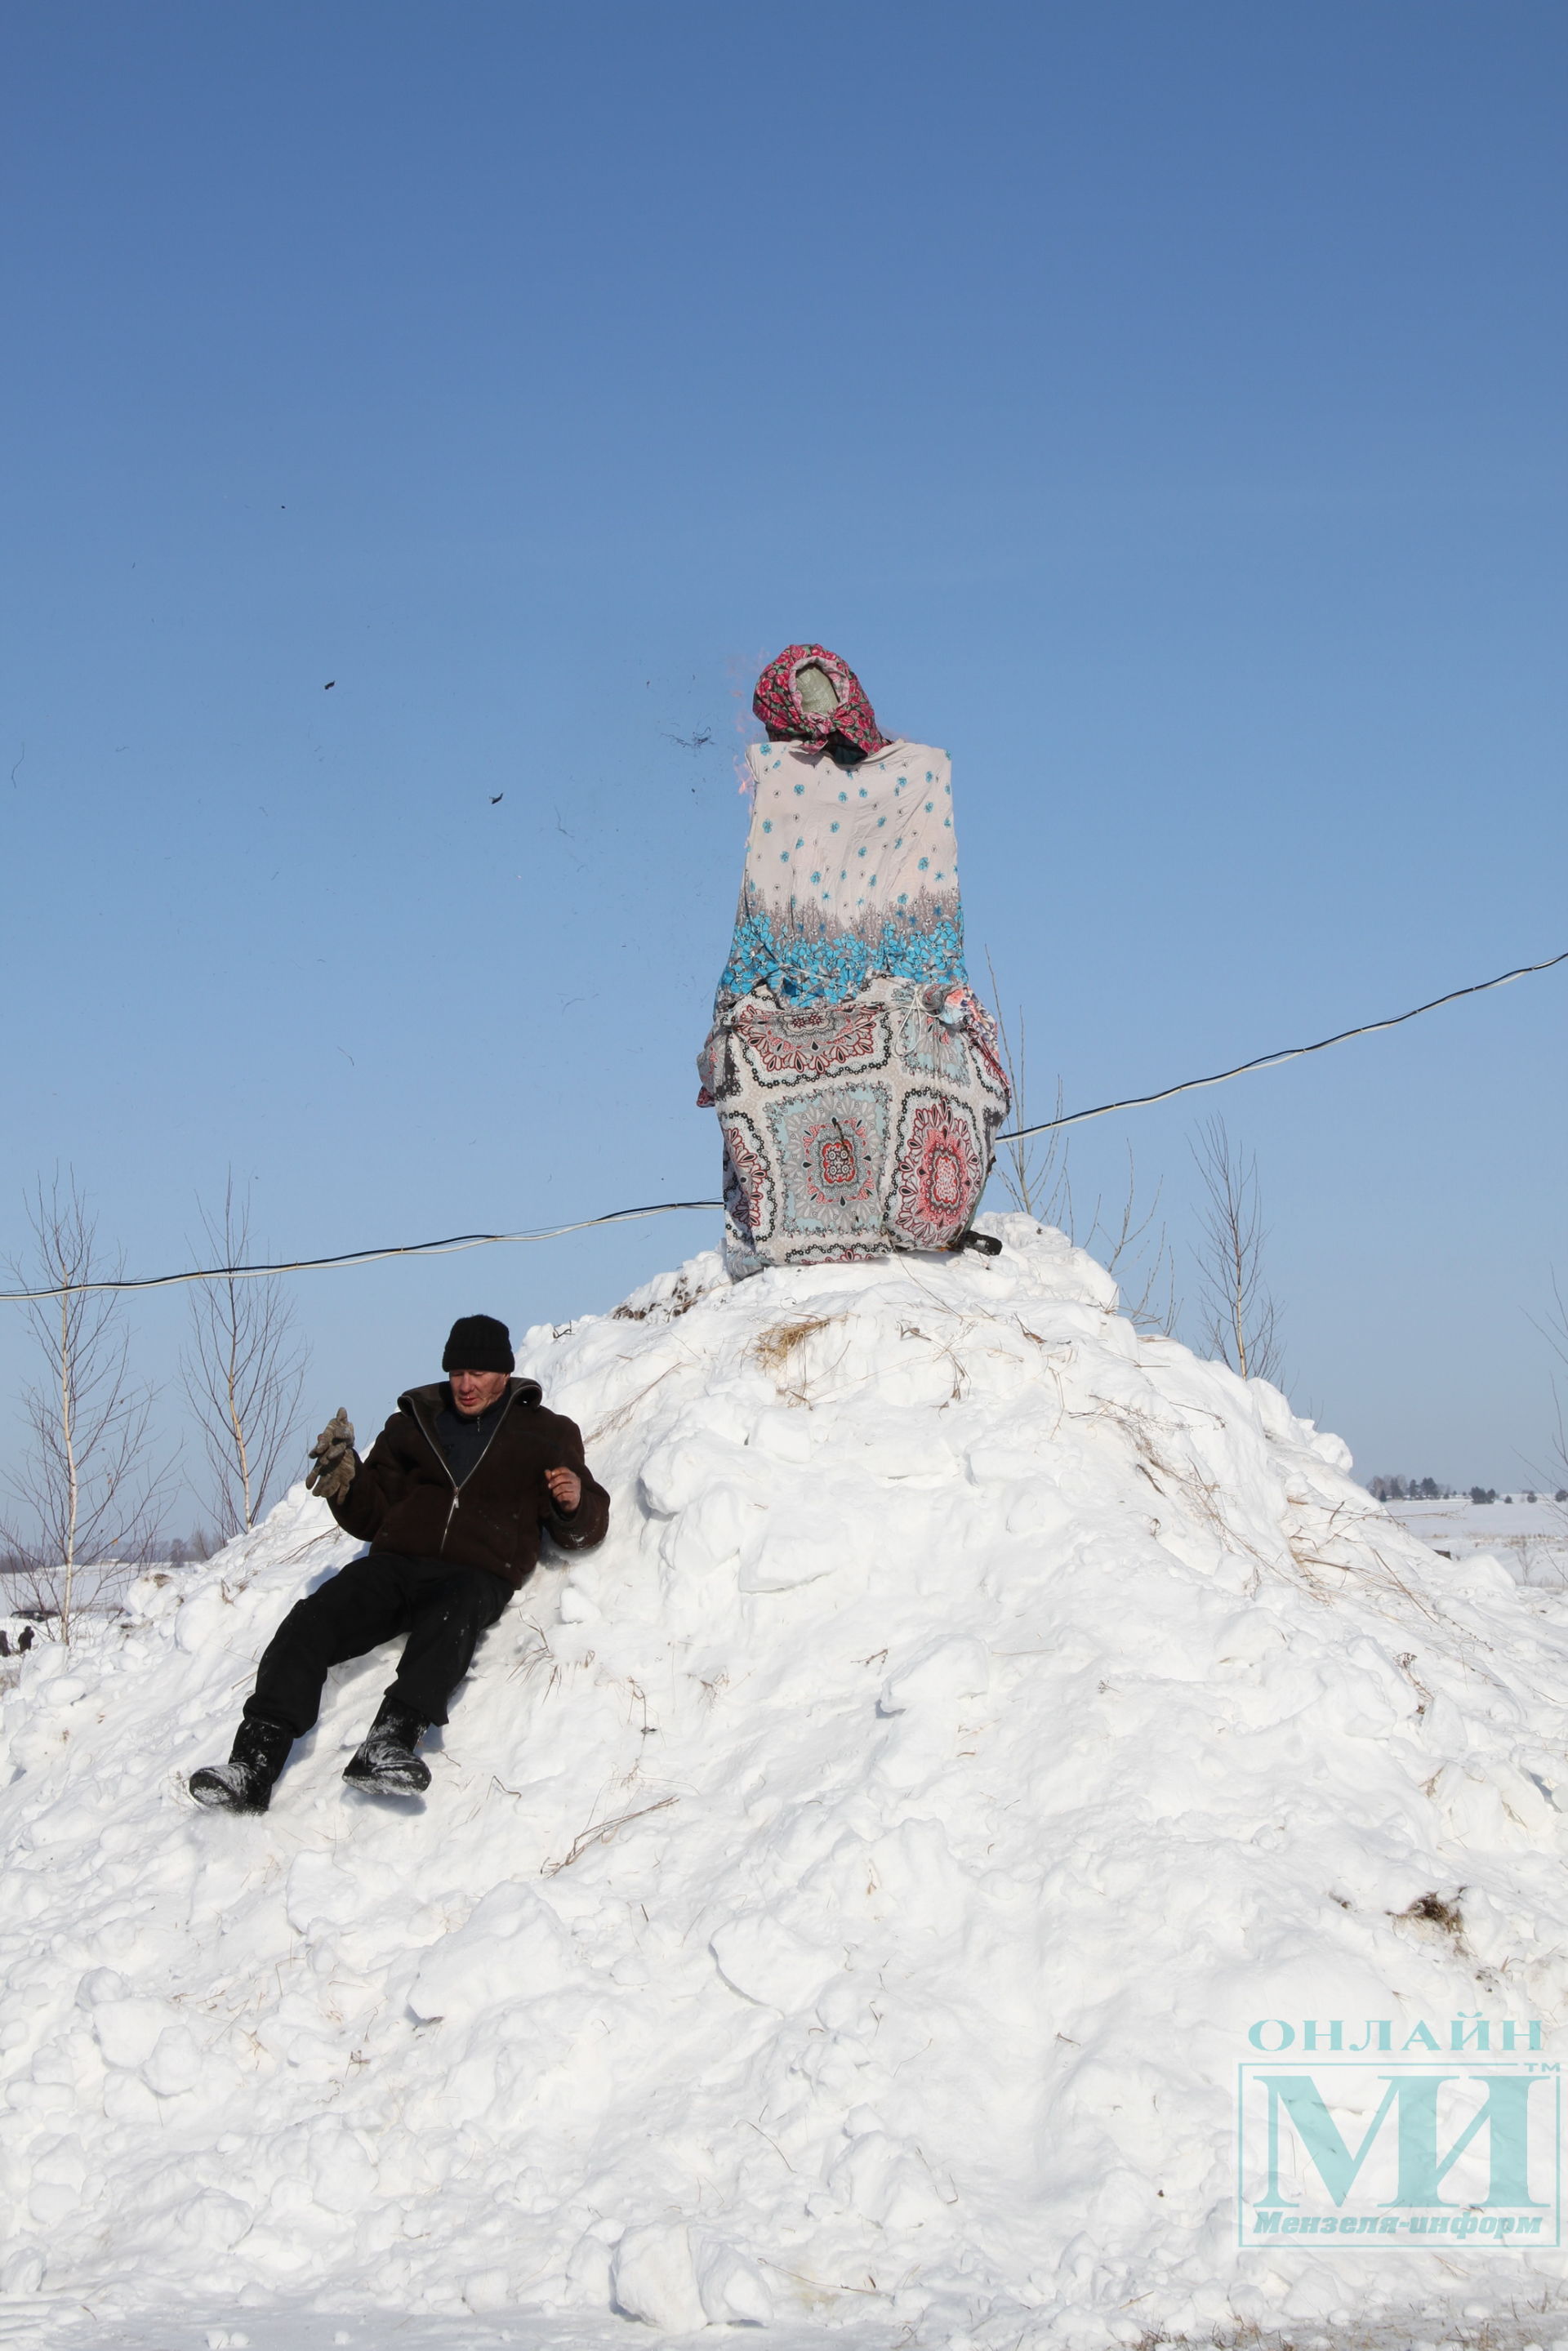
<point x="1036" y="1173"/>
<point x="86" y="1500"/>
<point x="1138" y="1253"/>
<point x="1240" y="1319"/>
<point x="242" y="1370"/>
<point x="1554" y="1331"/>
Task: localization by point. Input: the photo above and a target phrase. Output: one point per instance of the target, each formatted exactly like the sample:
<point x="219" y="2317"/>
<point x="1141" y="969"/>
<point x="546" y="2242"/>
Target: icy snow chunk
<point x="941" y="1671"/>
<point x="101" y="1984"/>
<point x="887" y="2183"/>
<point x="1039" y="1509"/>
<point x="684" y="1465"/>
<point x="321" y="1892"/>
<point x="689" y="1454"/>
<point x="58" y="2176"/>
<point x="792" y="1544"/>
<point x="1479" y="1576"/>
<point x="589" y="2265"/>
<point x="1492" y="1804"/>
<point x="711" y="1532"/>
<point x="785" y="1435"/>
<point x="761" y="1959"/>
<point x="512" y="1947"/>
<point x="205" y="1621"/>
<point x="175" y="2063"/>
<point x="1060" y="1269"/>
<point x="1251" y="1636"/>
<point x="22" y="2273"/>
<point x="213" y="2222"/>
<point x="653" y="2276"/>
<point x="990" y="1464"/>
<point x="487" y="2290"/>
<point x="130" y="2030"/>
<point x="51" y="2204"/>
<point x="342" y="2177"/>
<point x="907" y="1446"/>
<point x="731" y="2289"/>
<point x="670" y="1295"/>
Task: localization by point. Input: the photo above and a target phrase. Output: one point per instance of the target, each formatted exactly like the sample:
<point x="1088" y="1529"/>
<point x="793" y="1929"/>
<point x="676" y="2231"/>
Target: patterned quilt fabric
<point x="856" y="1128"/>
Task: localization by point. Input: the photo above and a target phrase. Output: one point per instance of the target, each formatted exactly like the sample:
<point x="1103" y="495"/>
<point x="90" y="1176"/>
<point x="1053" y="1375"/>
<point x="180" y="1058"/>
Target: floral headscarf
<point x="778" y="705"/>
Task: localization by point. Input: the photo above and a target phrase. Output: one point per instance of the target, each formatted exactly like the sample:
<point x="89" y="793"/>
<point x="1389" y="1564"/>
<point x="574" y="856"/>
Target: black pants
<point x="443" y="1609"/>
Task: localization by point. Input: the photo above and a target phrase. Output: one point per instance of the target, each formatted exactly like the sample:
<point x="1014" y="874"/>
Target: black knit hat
<point x="478" y="1343"/>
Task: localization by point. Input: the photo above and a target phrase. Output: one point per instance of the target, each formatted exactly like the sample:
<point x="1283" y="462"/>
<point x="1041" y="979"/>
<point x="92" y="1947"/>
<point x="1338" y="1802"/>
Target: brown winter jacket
<point x="404" y="1498"/>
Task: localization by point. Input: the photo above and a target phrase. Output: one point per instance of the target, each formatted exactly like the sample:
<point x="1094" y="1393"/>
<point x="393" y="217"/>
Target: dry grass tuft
<point x="772" y="1349"/>
<point x="1436" y="1910"/>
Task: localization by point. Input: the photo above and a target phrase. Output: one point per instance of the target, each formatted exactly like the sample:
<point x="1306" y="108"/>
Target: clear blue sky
<point x="1162" y="408"/>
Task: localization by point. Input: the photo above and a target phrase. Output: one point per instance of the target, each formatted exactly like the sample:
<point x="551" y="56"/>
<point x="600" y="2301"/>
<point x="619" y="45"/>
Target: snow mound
<point x="843" y="1898"/>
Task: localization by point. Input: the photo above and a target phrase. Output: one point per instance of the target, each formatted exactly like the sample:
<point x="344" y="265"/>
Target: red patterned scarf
<point x="778" y="705"/>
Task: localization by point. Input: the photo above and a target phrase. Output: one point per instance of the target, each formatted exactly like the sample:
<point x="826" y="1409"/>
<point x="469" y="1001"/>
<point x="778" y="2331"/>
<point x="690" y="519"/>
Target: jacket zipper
<point x="458" y="1484"/>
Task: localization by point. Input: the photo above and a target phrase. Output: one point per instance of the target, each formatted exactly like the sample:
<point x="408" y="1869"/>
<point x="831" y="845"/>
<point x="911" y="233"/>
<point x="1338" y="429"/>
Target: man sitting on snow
<point x="451" y="1501"/>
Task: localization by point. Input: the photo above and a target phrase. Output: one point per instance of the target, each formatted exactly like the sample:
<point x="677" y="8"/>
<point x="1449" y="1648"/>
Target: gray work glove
<point x="334" y="1458"/>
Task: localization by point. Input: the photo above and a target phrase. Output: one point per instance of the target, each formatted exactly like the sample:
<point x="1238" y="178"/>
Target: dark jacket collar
<point x="426" y="1402"/>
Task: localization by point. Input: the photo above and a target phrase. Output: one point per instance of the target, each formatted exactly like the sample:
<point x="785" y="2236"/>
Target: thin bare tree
<point x="89" y="1490"/>
<point x="1037" y="1177"/>
<point x="1136" y="1252"/>
<point x="1034" y="1172"/>
<point x="1554" y="1331"/>
<point x="242" y="1369"/>
<point x="1241" y="1323"/>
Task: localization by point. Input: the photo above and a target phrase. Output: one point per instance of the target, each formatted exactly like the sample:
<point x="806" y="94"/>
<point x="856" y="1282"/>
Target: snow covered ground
<point x="843" y="1899"/>
<point x="1531" y="1539"/>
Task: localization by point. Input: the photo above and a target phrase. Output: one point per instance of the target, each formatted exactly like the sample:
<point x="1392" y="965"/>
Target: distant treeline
<point x="1427" y="1489"/>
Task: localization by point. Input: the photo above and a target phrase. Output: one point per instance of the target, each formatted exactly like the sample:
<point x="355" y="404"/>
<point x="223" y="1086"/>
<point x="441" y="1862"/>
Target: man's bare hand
<point x="334" y="1459"/>
<point x="565" y="1489"/>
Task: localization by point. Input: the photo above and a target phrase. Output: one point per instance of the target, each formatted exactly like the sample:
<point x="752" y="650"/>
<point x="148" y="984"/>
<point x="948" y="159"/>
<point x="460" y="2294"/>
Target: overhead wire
<point x="1290" y="1053"/>
<point x="457" y="1242"/>
<point x="447" y="1247"/>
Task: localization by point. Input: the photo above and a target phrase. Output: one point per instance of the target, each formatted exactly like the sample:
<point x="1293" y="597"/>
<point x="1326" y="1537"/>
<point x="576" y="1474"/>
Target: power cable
<point x="448" y="1247"/>
<point x="458" y="1241"/>
<point x="1290" y="1053"/>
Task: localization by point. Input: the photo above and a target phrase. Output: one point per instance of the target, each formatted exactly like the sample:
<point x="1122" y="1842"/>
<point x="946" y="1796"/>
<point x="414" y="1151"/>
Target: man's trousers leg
<point x="367" y="1602"/>
<point x="446" y="1616"/>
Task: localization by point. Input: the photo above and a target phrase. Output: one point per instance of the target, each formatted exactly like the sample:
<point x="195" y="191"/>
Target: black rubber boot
<point x="985" y="1244"/>
<point x="386" y="1765"/>
<point x="243" y="1784"/>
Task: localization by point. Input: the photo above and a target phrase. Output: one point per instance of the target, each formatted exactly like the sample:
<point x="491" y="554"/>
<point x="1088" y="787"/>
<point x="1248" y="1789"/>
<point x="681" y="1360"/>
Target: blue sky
<point x="1161" y="409"/>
